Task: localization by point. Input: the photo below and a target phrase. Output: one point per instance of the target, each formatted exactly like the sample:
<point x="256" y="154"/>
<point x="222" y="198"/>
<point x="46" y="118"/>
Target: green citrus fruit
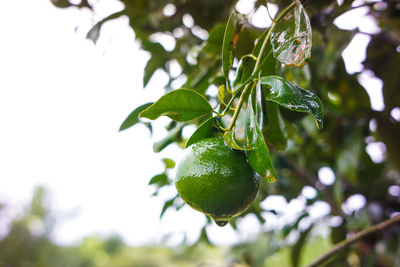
<point x="216" y="180"/>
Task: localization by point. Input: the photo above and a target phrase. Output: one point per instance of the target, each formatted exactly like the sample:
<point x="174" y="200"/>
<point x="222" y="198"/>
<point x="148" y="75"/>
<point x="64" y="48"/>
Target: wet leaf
<point x="231" y="36"/>
<point x="202" y="132"/>
<point x="133" y="118"/>
<point x="259" y="157"/>
<point x="291" y="37"/>
<point x="179" y="105"/>
<point x="274" y="130"/>
<point x="293" y="97"/>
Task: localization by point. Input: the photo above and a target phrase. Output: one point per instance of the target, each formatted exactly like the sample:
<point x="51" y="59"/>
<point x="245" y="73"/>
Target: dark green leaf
<point x="94" y="32"/>
<point x="274" y="130"/>
<point x="245" y="69"/>
<point x="337" y="192"/>
<point x="179" y="105"/>
<point x="152" y="65"/>
<point x="223" y="95"/>
<point x="327" y="49"/>
<point x="215" y="39"/>
<point x="133" y="118"/>
<point x="167" y="204"/>
<point x="259" y="43"/>
<point x="231" y="35"/>
<point x="338" y="233"/>
<point x="158" y="59"/>
<point x="268" y="60"/>
<point x="258" y="158"/>
<point x="291" y="37"/>
<point x="247" y="37"/>
<point x="61" y="3"/>
<point x="293" y="97"/>
<point x="200" y="75"/>
<point x="202" y="132"/>
<point x="169" y="163"/>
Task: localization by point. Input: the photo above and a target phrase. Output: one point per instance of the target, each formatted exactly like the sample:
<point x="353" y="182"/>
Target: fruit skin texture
<point x="216" y="180"/>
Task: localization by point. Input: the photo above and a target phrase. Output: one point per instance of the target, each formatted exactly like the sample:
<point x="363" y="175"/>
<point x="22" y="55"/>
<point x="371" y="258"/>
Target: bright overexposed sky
<point x="62" y="100"/>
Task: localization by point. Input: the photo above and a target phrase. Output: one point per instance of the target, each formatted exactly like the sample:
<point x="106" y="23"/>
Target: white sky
<point x="62" y="100"/>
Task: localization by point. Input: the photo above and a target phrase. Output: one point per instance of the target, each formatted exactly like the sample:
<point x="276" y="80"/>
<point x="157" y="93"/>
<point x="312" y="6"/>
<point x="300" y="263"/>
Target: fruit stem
<point x="239" y="106"/>
<point x="229" y="104"/>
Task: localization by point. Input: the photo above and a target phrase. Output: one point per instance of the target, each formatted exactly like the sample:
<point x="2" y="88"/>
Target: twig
<point x="347" y="242"/>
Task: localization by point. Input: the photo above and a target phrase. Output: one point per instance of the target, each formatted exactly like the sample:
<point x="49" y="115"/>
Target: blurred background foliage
<point x="28" y="243"/>
<point x="195" y="28"/>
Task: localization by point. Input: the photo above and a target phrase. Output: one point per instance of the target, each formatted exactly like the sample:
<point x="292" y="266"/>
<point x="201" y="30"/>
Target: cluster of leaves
<point x="298" y="149"/>
<point x="259" y="96"/>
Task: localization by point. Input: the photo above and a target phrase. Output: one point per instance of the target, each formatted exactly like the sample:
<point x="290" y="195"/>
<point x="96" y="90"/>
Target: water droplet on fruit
<point x="221" y="223"/>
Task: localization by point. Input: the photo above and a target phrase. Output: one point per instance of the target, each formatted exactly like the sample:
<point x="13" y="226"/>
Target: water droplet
<point x="221" y="223"/>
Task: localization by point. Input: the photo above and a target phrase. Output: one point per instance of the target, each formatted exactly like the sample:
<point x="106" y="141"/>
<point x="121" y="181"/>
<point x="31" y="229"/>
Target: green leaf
<point x="259" y="43"/>
<point x="230" y="140"/>
<point x="268" y="59"/>
<point x="274" y="130"/>
<point x="158" y="59"/>
<point x="258" y="158"/>
<point x="169" y="163"/>
<point x="173" y="135"/>
<point x="133" y="118"/>
<point x="94" y="33"/>
<point x="245" y="69"/>
<point x="224" y="95"/>
<point x="179" y="105"/>
<point x="291" y="37"/>
<point x="160" y="180"/>
<point x="202" y="132"/>
<point x="236" y="138"/>
<point x="293" y="97"/>
<point x="215" y="39"/>
<point x="61" y="3"/>
<point x="231" y="36"/>
<point x="167" y="204"/>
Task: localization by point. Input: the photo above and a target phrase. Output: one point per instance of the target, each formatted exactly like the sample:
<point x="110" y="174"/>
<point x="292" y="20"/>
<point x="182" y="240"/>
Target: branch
<point x="347" y="242"/>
